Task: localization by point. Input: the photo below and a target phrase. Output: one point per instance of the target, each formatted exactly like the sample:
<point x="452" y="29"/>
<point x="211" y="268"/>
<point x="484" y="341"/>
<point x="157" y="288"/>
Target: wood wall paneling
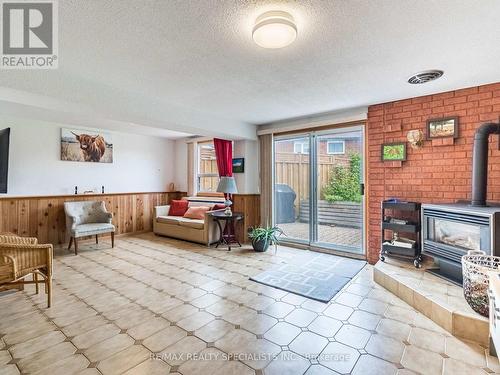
<point x="44" y="218"/>
<point x="249" y="205"/>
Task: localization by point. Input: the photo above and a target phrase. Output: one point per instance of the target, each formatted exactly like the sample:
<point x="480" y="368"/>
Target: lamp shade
<point x="227" y="185"/>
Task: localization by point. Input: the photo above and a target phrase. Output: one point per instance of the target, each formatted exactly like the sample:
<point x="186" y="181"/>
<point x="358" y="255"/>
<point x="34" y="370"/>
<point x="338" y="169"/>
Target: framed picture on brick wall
<point x="394" y="151"/>
<point x="442" y="128"/>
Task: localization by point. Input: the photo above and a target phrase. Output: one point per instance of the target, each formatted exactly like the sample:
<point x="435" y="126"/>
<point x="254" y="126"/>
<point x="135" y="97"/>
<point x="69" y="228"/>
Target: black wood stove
<point x="450" y="230"/>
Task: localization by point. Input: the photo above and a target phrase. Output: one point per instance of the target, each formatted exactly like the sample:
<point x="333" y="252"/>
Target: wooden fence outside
<point x="293" y="170"/>
<point x="290" y="169"/>
<point x="342" y="214"/>
<point x="208" y="165"/>
<point x="208" y="183"/>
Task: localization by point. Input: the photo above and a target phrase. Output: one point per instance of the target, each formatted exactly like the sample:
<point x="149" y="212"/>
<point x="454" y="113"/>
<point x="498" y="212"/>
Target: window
<point x="300" y="147"/>
<point x="336" y="147"/>
<point x="207" y="177"/>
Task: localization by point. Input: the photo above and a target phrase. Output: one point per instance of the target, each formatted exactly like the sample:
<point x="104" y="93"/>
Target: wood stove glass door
<point x="458" y="235"/>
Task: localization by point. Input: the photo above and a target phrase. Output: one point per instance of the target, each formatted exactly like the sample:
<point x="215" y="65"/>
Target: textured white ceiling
<point x="192" y="67"/>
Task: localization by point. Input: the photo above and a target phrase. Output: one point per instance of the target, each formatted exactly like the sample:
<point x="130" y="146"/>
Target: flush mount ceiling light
<point x="424" y="77"/>
<point x="275" y="29"/>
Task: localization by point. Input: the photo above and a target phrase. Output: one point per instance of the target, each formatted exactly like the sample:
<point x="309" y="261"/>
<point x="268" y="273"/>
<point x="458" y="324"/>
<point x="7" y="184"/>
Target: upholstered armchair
<point x="22" y="256"/>
<point x="88" y="218"/>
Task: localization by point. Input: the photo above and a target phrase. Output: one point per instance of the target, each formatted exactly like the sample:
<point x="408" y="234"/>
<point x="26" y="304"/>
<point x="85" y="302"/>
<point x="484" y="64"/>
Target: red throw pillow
<point x="196" y="212"/>
<point x="219" y="206"/>
<point x="178" y="207"/>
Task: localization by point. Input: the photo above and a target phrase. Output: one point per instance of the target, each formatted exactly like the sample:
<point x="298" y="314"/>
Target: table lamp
<point x="227" y="185"/>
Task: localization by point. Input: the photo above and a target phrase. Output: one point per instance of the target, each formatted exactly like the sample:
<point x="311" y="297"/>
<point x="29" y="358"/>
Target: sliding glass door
<point x="339" y="190"/>
<point x="292" y="186"/>
<point x="318" y="188"/>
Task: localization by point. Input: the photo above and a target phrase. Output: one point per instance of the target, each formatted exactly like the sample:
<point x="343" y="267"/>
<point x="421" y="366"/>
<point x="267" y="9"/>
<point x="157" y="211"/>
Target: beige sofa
<point x="203" y="231"/>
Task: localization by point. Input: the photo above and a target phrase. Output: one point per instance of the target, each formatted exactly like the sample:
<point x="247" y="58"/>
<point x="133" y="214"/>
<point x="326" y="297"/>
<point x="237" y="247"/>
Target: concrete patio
<point x="336" y="235"/>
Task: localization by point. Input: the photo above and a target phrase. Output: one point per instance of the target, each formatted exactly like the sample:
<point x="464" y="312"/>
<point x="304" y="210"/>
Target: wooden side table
<point x="228" y="231"/>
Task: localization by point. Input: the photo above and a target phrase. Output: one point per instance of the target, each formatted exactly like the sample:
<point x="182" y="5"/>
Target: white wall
<point x="141" y="163"/>
<point x="248" y="182"/>
<point x="181" y="165"/>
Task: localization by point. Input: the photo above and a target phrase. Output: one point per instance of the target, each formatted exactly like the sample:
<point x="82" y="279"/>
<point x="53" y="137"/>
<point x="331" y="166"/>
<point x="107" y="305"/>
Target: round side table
<point x="227" y="231"/>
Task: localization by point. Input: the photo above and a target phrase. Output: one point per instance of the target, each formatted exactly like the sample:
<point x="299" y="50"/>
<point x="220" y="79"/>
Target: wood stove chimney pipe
<point x="480" y="162"/>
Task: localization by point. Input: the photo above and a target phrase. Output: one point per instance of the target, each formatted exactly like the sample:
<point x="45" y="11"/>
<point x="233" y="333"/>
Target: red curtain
<point x="224" y="156"/>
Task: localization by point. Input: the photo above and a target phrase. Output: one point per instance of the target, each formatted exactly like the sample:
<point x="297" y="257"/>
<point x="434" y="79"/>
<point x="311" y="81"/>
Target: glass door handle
<point x="362" y="188"/>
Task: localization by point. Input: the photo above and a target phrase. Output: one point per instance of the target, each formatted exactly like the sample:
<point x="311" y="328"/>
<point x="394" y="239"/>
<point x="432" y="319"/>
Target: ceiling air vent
<point x="424" y="77"/>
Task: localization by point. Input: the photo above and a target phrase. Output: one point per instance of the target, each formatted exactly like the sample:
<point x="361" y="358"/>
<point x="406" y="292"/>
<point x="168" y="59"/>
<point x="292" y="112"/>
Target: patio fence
<point x="293" y="169"/>
<point x="208" y="165"/>
<point x="290" y="168"/>
<point x="208" y="183"/>
<point x="343" y="214"/>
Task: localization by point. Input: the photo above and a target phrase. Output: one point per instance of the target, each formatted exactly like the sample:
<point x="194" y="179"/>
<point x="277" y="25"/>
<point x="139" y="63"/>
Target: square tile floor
<point x="153" y="305"/>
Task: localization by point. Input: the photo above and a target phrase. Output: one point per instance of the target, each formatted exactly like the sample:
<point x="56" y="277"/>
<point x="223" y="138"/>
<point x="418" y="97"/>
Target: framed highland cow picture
<point x="92" y="146"/>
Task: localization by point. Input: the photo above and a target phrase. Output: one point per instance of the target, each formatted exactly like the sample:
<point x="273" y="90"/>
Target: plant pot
<point x="261" y="245"/>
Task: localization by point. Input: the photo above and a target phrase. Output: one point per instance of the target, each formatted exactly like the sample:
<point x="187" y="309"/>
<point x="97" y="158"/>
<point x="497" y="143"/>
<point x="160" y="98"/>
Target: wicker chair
<point x="21" y="256"/>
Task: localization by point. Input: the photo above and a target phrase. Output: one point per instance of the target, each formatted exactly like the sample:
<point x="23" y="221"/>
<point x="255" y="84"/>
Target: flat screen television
<point x="4" y="159"/>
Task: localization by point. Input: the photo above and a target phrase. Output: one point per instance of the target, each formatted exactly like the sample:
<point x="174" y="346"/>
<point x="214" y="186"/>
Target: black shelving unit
<point x="410" y="212"/>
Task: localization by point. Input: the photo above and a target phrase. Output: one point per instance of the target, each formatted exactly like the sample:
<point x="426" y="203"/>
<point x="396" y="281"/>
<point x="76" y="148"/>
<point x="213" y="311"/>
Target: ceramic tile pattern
<point x="436" y="298"/>
<point x="156" y="306"/>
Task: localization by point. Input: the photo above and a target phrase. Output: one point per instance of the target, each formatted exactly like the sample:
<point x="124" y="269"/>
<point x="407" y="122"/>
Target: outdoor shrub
<point x="344" y="183"/>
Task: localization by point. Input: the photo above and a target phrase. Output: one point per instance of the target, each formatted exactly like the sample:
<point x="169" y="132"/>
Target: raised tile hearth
<point x="436" y="298"/>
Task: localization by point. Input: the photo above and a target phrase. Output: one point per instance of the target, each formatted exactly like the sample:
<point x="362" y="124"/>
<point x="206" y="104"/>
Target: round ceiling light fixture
<point x="425" y="76"/>
<point x="275" y="29"/>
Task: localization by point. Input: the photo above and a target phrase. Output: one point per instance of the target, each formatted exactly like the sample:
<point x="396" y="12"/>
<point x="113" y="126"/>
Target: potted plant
<point x="263" y="237"/>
